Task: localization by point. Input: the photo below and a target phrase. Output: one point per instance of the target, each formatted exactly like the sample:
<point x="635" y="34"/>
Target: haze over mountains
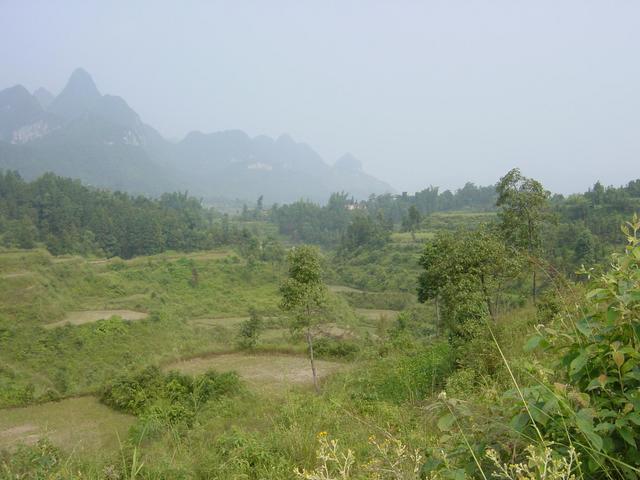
<point x="100" y="140"/>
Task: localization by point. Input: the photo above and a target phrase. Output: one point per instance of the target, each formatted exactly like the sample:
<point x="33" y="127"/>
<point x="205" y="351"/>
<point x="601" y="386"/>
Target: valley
<point x="319" y="240"/>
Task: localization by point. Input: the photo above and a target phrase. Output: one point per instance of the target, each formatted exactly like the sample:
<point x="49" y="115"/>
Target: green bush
<point x="171" y="398"/>
<point x="334" y="348"/>
<point x="14" y="391"/>
<point x="250" y="330"/>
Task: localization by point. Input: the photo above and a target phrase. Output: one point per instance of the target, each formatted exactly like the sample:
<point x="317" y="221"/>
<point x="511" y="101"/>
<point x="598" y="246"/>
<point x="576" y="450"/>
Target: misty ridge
<point x="99" y="139"/>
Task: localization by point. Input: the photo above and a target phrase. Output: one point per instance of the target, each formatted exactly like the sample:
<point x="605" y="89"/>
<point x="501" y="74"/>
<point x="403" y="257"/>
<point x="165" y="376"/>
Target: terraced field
<point x="343" y="289"/>
<point x="260" y="370"/>
<point x="376" y="314"/>
<point x="167" y="316"/>
<point x="76" y="424"/>
<point x="89" y="316"/>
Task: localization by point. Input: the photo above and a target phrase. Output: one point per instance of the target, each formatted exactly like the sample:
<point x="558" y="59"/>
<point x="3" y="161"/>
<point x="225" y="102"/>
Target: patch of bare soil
<point x="331" y="330"/>
<point x="376" y="314"/>
<point x="218" y="322"/>
<point x="260" y="369"/>
<point x="26" y="433"/>
<point x="16" y="274"/>
<point x="342" y="288"/>
<point x="81" y="317"/>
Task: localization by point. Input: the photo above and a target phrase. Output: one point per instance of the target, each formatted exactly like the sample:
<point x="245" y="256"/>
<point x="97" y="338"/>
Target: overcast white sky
<point x="424" y="93"/>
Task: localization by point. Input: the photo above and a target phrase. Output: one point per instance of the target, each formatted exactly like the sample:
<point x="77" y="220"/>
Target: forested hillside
<point x="68" y="217"/>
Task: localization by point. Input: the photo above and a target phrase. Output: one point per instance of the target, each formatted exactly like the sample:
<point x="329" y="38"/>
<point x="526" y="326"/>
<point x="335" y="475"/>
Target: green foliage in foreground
<point x="598" y="409"/>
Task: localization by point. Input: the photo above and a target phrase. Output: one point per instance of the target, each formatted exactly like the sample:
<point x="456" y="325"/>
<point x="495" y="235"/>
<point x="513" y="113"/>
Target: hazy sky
<point x="431" y="92"/>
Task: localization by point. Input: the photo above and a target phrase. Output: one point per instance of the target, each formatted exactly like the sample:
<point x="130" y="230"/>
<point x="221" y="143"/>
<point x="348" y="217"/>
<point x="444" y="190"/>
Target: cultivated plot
<point x="74" y="424"/>
<point x="81" y="317"/>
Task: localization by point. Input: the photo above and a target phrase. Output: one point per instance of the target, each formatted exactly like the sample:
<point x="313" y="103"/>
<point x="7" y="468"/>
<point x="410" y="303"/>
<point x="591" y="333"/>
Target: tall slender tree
<point x="304" y="296"/>
<point x="524" y="209"/>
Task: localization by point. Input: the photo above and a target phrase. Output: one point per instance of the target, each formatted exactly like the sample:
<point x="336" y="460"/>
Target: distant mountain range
<point x="100" y="140"/>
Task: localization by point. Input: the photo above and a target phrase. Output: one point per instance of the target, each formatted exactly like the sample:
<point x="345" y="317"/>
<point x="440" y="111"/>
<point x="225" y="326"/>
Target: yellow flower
<point x="322" y="434"/>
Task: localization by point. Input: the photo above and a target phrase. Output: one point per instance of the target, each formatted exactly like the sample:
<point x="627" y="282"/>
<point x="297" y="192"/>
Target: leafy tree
<point x="524" y="208"/>
<point x="20" y="233"/>
<point x="466" y="273"/>
<point x="309" y="222"/>
<point x="584" y="248"/>
<point x="304" y="295"/>
<point x="250" y="330"/>
<point x="431" y="199"/>
<point x="272" y="250"/>
<point x="364" y="231"/>
<point x="412" y="221"/>
<point x="259" y="206"/>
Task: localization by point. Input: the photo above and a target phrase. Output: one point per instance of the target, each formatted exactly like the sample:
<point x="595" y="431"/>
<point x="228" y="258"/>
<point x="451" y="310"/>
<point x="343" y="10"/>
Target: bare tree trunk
<point x="313" y="365"/>
<point x="533" y="290"/>
<point x="439" y="328"/>
<point x="487" y="299"/>
<point x="533" y="263"/>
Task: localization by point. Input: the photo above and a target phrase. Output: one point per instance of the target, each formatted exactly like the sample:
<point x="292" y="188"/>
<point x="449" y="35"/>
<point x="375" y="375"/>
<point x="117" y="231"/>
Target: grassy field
<point x="69" y="325"/>
<point x="57" y="314"/>
<point x="80" y="340"/>
<point x="407" y="237"/>
<point x="81" y="425"/>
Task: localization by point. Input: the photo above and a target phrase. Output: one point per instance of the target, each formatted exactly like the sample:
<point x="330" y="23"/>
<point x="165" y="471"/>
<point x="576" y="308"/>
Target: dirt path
<point x="89" y="316"/>
<point x="218" y="322"/>
<point x="376" y="314"/>
<point x="16" y="274"/>
<point x="344" y="289"/>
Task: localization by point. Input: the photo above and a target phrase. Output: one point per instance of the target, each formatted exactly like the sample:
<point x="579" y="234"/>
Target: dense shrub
<point x="250" y="330"/>
<point x="172" y="397"/>
<point x="334" y="348"/>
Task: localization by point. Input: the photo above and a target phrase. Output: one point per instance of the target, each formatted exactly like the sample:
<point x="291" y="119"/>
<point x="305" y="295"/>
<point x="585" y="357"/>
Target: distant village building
<point x="356" y="206"/>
